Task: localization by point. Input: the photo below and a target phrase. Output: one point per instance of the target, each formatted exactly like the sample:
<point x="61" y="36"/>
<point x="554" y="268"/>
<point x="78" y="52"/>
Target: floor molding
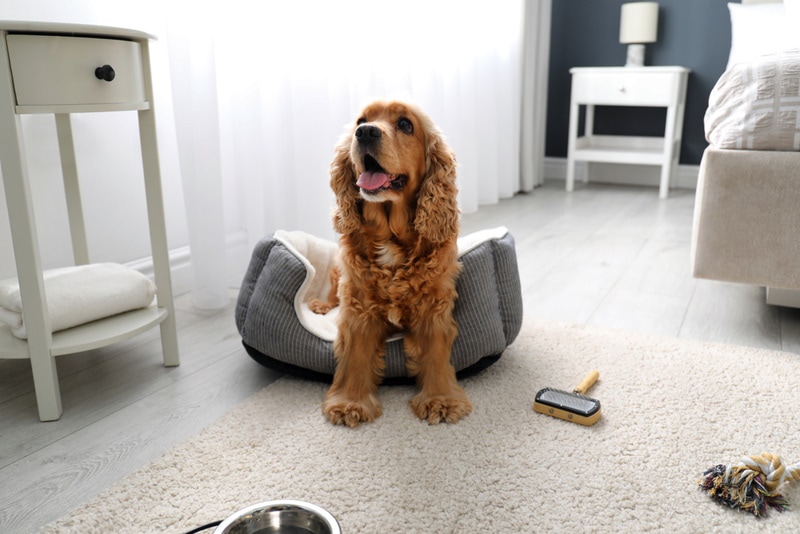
<point x="180" y="261"/>
<point x="615" y="173"/>
<point x="238" y="252"/>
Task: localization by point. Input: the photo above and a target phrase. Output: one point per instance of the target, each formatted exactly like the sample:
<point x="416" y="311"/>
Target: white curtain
<point x="262" y="91"/>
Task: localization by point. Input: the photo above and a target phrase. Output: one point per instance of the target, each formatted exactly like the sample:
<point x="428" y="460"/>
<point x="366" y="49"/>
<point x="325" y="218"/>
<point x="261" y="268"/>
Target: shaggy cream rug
<point x="671" y="409"/>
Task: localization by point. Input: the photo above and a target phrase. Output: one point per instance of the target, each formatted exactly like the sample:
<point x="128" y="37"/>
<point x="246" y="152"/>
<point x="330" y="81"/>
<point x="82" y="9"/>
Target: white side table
<point x="63" y="69"/>
<point x="627" y="86"/>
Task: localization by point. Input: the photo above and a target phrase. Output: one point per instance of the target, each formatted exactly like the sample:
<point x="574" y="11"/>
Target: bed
<point x="287" y="269"/>
<point x="747" y="218"/>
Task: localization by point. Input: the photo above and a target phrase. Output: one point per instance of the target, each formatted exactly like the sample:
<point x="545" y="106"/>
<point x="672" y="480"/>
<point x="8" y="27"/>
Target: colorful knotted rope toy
<point x="751" y="485"/>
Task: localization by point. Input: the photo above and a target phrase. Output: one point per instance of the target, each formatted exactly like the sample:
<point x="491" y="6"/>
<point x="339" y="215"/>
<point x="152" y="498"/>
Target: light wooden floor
<point x="610" y="256"/>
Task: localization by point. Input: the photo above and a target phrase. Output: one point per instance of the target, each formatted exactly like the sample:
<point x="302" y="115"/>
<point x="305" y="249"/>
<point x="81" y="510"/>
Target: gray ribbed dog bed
<point x="287" y="269"/>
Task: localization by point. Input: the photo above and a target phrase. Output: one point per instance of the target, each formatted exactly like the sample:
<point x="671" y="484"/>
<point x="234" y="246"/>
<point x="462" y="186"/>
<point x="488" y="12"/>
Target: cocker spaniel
<point x="396" y="210"/>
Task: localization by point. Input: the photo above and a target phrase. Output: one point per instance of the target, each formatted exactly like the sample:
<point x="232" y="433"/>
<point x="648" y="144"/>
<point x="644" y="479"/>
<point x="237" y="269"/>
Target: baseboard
<point x="180" y="266"/>
<point x="615" y="173"/>
<point x="237" y="255"/>
<point x="238" y="252"/>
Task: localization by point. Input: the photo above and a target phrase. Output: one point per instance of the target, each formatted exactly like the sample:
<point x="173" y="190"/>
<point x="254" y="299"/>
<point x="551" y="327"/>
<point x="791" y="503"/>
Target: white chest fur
<point x="388" y="254"/>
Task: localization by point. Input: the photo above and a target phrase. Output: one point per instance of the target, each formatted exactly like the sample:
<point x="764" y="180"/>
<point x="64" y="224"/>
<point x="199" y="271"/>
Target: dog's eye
<point x="362" y="120"/>
<point x="405" y="126"/>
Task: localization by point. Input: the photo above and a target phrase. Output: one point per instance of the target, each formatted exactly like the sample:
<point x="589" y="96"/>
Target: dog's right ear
<point x="346" y="215"/>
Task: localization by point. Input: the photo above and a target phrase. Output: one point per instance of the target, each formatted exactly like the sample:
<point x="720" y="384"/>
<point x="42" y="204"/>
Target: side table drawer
<point x="624" y="89"/>
<point x="60" y="70"/>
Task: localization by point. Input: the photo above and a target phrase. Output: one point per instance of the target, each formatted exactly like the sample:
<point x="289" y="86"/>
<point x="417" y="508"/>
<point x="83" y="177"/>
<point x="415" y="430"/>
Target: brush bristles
<point x="573" y="402"/>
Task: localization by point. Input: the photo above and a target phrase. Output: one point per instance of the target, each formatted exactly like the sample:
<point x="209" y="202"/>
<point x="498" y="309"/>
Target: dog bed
<point x="288" y="269"/>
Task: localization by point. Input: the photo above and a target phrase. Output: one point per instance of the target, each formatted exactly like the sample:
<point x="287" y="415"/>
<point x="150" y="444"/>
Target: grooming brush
<point x="574" y="406"/>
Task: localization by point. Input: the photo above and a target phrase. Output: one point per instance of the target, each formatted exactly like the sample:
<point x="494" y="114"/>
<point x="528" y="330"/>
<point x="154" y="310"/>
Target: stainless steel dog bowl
<point x="280" y="517"/>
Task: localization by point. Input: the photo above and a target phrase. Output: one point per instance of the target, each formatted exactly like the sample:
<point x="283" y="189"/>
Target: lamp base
<point x="635" y="57"/>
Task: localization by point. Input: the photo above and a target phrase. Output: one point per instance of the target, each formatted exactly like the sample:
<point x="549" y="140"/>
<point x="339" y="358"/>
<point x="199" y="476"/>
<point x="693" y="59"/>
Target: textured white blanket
<point x="78" y="295"/>
<point x="755" y="105"/>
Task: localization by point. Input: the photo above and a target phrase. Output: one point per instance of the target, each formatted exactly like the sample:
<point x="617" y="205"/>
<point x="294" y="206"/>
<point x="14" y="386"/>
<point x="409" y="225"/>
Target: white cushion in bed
<point x="319" y="255"/>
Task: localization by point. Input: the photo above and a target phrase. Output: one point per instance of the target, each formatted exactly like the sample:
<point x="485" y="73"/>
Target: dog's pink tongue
<point x="372" y="180"/>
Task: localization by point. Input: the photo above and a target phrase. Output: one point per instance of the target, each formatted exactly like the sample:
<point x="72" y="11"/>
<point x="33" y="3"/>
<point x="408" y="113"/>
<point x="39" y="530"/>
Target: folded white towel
<point x="78" y="295"/>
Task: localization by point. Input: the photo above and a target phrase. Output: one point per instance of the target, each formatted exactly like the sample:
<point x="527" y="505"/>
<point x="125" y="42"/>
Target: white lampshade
<point x="639" y="23"/>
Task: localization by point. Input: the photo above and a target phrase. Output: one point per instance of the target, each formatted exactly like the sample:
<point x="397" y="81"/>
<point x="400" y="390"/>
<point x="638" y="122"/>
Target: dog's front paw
<point x="343" y="411"/>
<point x="438" y="408"/>
<point x="319" y="307"/>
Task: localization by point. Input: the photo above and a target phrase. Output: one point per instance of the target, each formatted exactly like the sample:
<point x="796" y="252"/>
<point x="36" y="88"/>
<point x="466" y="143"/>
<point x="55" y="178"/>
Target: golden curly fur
<point x="396" y="210"/>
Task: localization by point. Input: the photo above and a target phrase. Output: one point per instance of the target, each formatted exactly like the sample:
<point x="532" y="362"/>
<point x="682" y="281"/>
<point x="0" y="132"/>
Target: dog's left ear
<point x="437" y="217"/>
<point x="346" y="215"/>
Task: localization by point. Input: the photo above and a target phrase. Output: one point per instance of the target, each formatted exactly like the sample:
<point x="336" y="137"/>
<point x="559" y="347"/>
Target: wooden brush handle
<point x="588" y="382"/>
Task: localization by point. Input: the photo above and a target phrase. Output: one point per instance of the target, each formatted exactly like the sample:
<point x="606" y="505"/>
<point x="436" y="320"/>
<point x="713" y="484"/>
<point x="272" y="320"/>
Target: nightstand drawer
<point x="60" y="70"/>
<point x="624" y="89"/>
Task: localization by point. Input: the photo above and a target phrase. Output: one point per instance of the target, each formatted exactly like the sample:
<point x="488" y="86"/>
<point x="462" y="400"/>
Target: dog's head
<point x="395" y="153"/>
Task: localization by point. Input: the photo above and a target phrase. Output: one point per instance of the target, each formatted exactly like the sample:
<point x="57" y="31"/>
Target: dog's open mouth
<point x="375" y="179"/>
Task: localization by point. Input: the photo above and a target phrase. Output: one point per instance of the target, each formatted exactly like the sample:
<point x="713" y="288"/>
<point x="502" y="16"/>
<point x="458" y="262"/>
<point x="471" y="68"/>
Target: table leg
<point x="156" y="219"/>
<point x="72" y="190"/>
<point x="572" y="141"/>
<point x="669" y="152"/>
<point x="26" y="250"/>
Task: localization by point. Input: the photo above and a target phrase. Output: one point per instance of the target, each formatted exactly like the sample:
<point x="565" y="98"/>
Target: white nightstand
<point x="63" y="69"/>
<point x="627" y="86"/>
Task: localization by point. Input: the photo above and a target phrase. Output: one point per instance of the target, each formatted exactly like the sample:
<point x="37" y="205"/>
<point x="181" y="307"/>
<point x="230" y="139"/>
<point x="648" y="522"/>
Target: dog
<point x="394" y="178"/>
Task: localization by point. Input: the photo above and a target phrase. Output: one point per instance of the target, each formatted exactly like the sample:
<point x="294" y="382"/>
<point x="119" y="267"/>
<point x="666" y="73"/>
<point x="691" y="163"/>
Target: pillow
<point x="793" y="21"/>
<point x="758" y="29"/>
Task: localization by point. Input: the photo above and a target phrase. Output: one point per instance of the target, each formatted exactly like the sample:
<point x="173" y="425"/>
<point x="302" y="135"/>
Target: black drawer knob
<point x="106" y="72"/>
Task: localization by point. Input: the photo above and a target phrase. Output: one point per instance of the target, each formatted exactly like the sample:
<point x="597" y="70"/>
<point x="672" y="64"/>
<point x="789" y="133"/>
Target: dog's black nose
<point x="367" y="133"/>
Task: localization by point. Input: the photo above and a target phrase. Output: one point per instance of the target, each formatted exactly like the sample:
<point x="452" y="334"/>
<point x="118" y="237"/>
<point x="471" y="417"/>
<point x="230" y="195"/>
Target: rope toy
<point x="751" y="485"/>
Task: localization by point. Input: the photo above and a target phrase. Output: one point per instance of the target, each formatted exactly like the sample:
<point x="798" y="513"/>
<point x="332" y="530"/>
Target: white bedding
<point x="755" y="105"/>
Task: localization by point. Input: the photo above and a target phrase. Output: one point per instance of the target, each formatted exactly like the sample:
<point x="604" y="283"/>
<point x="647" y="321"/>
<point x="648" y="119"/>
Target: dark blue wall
<point x="585" y="33"/>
